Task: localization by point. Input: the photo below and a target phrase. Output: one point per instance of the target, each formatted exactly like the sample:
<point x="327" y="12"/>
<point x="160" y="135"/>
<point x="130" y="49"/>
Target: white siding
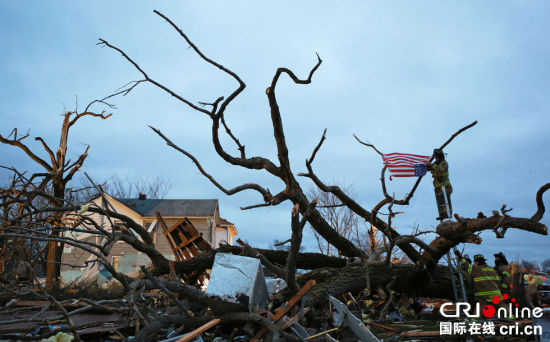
<point x="221" y="234"/>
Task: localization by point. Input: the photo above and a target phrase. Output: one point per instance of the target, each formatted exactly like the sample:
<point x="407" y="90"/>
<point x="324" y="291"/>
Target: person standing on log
<point x="442" y="184"/>
<point x="485" y="279"/>
<point x="503" y="270"/>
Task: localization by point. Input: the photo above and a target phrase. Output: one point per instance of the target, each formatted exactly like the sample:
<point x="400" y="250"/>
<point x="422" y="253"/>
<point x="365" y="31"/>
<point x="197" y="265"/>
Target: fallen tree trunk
<point x="202" y="262"/>
<point x="410" y="279"/>
<point x="335" y="278"/>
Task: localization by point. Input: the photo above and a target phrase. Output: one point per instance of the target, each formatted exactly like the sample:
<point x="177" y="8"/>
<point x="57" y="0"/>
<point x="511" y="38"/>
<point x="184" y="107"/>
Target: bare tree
<point x="346" y="223"/>
<point x="60" y="170"/>
<point x="23" y="220"/>
<point x="449" y="233"/>
<point x="18" y="197"/>
<point x="428" y="279"/>
<point x="127" y="187"/>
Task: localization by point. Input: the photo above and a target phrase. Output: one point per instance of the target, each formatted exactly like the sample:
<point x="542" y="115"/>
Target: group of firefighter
<point x="484" y="282"/>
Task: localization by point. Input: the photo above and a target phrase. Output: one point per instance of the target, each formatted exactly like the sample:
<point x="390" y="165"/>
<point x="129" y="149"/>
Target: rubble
<point x="207" y="294"/>
<point x="344" y="316"/>
<point x="158" y="309"/>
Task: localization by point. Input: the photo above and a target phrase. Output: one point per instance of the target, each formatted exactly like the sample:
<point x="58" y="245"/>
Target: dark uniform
<point x="505" y="278"/>
<point x="485" y="280"/>
<point x="466" y="270"/>
<point x="504" y="272"/>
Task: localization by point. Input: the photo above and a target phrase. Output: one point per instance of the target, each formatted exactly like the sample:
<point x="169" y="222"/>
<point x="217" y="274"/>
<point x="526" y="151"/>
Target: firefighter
<point x="503" y="270"/>
<point x="485" y="279"/>
<point x="442" y="185"/>
<point x="465" y="268"/>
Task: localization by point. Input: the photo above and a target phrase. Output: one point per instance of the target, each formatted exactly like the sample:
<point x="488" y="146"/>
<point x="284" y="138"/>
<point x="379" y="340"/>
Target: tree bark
<point x="204" y="261"/>
<point x="452" y="233"/>
<point x="410" y="279"/>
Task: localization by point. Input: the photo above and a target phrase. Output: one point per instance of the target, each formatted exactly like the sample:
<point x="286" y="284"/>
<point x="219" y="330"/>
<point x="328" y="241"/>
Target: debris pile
<point x="236" y="305"/>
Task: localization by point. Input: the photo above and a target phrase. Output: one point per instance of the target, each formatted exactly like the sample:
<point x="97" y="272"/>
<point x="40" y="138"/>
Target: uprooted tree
<point x="369" y="267"/>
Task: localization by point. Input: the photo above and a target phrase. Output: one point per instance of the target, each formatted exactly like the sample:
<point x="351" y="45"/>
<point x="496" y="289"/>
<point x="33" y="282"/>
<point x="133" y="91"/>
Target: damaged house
<point x="202" y="214"/>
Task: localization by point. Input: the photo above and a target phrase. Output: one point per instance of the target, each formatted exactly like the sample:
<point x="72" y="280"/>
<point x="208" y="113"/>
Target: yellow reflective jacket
<point x="485" y="281"/>
<point x="440" y="173"/>
<point x="505" y="278"/>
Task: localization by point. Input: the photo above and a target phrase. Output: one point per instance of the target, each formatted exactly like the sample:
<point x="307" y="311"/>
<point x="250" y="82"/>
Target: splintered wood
<point x="185" y="241"/>
<point x="283" y="309"/>
<point x="199" y="330"/>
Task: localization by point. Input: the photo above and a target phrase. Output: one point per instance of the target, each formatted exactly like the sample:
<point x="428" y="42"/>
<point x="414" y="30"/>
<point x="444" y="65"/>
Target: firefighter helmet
<point x="438" y="153"/>
<point x="479" y="257"/>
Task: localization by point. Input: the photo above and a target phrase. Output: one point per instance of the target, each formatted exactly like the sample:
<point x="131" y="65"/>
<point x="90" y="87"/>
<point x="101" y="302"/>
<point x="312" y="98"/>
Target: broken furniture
<point x="186" y="242"/>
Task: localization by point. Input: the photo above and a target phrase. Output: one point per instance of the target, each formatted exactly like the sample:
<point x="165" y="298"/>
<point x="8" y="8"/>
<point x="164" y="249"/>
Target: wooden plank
<point x="32" y="303"/>
<point x="383" y="326"/>
<point x="283" y="309"/>
<point x="161" y="221"/>
<point x="320" y="334"/>
<point x="294" y="319"/>
<point x="43" y="303"/>
<point x="205" y="246"/>
<point x="194" y="250"/>
<point x="199" y="330"/>
<point x="190" y="227"/>
<point x="180" y="255"/>
<point x="180" y="236"/>
<point x="185" y="253"/>
<point x="152" y="226"/>
<point x="170" y="240"/>
<point x="172" y="271"/>
<point x="174" y="226"/>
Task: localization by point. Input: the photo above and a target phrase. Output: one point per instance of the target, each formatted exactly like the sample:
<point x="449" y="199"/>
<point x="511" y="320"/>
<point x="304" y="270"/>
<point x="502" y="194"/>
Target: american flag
<point x="406" y="165"/>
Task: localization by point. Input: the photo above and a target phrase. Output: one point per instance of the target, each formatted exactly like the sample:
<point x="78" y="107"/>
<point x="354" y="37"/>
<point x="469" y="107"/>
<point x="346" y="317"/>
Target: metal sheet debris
<point x="240" y="280"/>
<point x="344" y="316"/>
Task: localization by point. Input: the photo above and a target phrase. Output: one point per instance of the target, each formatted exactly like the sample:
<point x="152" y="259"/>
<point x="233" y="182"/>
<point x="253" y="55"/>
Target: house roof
<point x="224" y="222"/>
<point x="172" y="207"/>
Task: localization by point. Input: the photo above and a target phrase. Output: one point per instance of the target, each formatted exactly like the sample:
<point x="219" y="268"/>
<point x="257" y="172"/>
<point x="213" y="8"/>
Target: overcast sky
<point x="403" y="75"/>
